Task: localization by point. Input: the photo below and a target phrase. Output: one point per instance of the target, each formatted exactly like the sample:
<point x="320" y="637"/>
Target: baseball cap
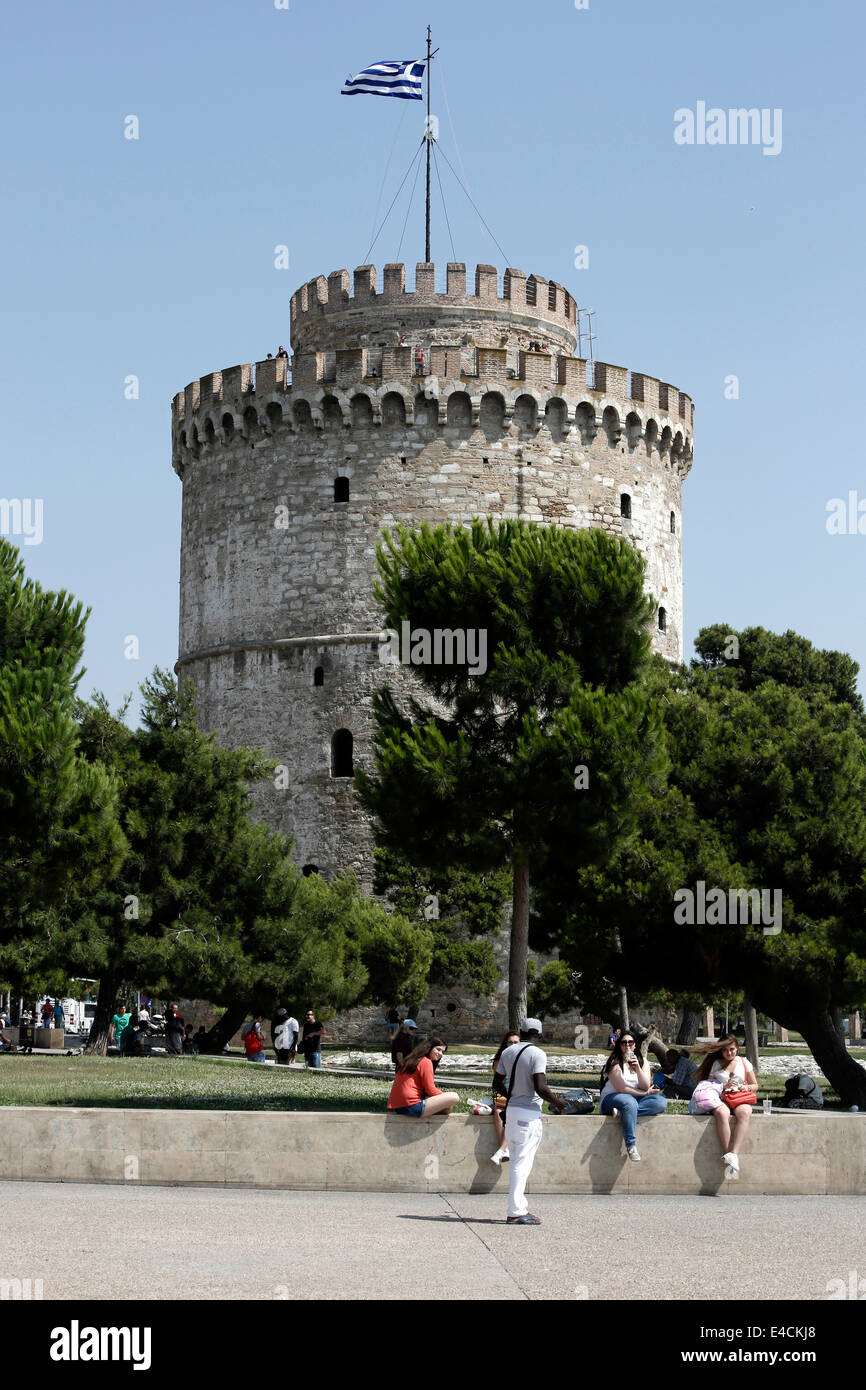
<point x="531" y="1025"/>
<point x="409" y="1023"/>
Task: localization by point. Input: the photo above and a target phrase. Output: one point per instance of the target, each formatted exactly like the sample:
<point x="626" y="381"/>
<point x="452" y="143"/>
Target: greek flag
<point x="387" y="79"/>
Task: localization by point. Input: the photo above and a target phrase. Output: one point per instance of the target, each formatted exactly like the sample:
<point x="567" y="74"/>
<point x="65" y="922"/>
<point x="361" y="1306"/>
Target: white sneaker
<point x="633" y="1154"/>
<point x="732" y="1166"/>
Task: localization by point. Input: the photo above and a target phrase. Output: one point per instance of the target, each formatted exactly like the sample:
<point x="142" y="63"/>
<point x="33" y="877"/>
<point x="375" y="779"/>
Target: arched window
<point x="341" y="489"/>
<point x="319" y="676"/>
<point x="228" y="425"/>
<point x="341" y="754"/>
<point x="663" y="620"/>
<point x="309" y="869"/>
<point x="673" y="524"/>
<point x="625" y="506"/>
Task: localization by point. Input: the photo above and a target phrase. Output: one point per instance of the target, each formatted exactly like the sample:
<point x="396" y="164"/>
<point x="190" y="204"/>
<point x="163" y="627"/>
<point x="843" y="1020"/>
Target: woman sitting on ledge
<point x="628" y="1088"/>
<point x="414" y="1090"/>
<point x="721" y="1076"/>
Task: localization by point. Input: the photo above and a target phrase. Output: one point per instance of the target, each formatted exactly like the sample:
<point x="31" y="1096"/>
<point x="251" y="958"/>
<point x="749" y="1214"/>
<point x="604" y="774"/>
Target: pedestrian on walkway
<point x="173" y="1031"/>
<point x="284" y="1035"/>
<point x="118" y="1024"/>
<point x="628" y="1088"/>
<point x="311" y="1043"/>
<point x="524" y="1067"/>
<point x="58" y="1015"/>
<point x="403" y="1041"/>
<point x="253" y="1039"/>
<point x="414" y="1091"/>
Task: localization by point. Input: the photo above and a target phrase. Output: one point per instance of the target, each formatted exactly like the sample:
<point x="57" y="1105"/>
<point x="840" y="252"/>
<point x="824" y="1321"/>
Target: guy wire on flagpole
<point x="415" y="157"/>
<point x="480" y="218"/>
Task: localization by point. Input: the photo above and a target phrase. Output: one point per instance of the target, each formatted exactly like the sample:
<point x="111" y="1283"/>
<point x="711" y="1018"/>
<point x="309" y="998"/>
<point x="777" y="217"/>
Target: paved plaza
<point x="235" y="1243"/>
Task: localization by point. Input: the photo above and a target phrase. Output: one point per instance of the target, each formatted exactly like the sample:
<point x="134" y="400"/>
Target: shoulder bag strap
<point x="511" y="1078"/>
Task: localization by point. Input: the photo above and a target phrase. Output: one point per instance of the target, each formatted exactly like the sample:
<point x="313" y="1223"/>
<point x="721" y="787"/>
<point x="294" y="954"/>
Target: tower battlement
<point x="360" y="388"/>
<point x="324" y="309"/>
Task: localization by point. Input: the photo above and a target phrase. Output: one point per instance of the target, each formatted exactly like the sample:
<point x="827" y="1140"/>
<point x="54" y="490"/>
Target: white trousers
<point x="523" y="1136"/>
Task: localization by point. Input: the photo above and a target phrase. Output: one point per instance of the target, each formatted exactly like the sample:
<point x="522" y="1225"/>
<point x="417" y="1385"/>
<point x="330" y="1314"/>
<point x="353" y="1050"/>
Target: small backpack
<point x="802" y="1092"/>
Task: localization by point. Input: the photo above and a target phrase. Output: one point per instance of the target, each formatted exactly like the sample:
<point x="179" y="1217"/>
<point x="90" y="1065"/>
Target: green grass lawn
<point x="199" y="1083"/>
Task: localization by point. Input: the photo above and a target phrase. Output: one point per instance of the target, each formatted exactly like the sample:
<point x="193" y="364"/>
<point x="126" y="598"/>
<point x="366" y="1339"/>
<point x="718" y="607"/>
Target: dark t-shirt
<point x="309" y="1044"/>
<point x="403" y="1042"/>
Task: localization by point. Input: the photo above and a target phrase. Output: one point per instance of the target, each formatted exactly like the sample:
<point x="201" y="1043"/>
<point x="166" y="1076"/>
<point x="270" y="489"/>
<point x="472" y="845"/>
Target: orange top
<point x="408" y="1090"/>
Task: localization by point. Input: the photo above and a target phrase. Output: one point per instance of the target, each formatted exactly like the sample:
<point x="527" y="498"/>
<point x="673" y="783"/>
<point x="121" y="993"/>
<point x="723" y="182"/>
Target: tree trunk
<point x="106" y="1007"/>
<point x="689" y="1027"/>
<point x="225" y="1028"/>
<point x="842" y="1071"/>
<point x="622" y="993"/>
<point x="519" y="945"/>
<point x="751" y="1021"/>
<point x="838" y="1018"/>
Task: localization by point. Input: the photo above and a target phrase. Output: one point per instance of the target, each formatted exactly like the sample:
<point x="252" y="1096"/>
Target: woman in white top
<point x="724" y="1071"/>
<point x="628" y="1088"/>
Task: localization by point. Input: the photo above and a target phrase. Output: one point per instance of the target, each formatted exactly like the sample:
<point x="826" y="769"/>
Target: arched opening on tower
<point x="362" y="413"/>
<point x="625" y="506"/>
<point x="526" y="414"/>
<point x="302" y="415"/>
<point x="275" y="415"/>
<point x="319" y="676"/>
<point x="491" y="416"/>
<point x="556" y="418"/>
<point x="612" y="425"/>
<point x="459" y="413"/>
<point x="332" y="414"/>
<point x="228" y="423"/>
<point x="309" y="869"/>
<point x="393" y="410"/>
<point x="341" y="489"/>
<point x="673" y="524"/>
<point x="584" y="418"/>
<point x="342" y="763"/>
<point x="663" y="620"/>
<point x="251" y="422"/>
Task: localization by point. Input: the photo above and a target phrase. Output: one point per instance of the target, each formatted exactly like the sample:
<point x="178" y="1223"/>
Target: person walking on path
<point x="524" y="1067"/>
<point x="254" y="1043"/>
<point x="311" y="1043"/>
<point x="118" y="1024"/>
<point x="173" y="1031"/>
<point x="284" y="1033"/>
<point x="414" y="1091"/>
<point x="628" y="1088"/>
<point x="403" y="1042"/>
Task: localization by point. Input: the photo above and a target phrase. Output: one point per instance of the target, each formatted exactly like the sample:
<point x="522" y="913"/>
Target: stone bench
<point x="812" y="1154"/>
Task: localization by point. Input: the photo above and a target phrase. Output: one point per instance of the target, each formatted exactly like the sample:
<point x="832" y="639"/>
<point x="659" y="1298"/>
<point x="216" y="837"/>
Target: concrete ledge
<point x="805" y="1154"/>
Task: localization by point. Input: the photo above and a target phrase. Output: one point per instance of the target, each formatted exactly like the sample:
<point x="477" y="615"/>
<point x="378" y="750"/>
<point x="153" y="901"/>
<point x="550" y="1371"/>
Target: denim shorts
<point x="416" y="1110"/>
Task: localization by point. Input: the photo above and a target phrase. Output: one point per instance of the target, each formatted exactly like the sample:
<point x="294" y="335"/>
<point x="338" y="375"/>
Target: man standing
<point x="523" y="1125"/>
<point x="58" y="1016"/>
<point x="311" y="1043"/>
<point x="403" y="1042"/>
<point x="118" y="1023"/>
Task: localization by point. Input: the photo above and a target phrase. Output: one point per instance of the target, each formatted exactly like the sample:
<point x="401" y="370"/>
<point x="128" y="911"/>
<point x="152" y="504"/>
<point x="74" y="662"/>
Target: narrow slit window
<point x="341" y="489"/>
<point x="625" y="506"/>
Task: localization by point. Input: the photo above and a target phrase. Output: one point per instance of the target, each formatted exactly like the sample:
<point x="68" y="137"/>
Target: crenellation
<point x="338" y="288"/>
<point x="395" y="281"/>
<point x="612" y="381"/>
<point x="486" y="282"/>
<point x="425" y="279"/>
<point x="456" y="280"/>
<point x="365" y="285"/>
<point x="514" y="287"/>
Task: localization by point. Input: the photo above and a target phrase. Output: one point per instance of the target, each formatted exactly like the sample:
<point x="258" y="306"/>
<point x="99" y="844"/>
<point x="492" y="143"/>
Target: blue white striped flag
<point x="387" y="79"/>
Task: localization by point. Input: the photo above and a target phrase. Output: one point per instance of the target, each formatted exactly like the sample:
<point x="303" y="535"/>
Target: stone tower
<point x="401" y="406"/>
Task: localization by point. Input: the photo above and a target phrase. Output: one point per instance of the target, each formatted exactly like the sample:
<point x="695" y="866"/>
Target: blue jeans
<point x="314" y="1059"/>
<point x="630" y="1110"/>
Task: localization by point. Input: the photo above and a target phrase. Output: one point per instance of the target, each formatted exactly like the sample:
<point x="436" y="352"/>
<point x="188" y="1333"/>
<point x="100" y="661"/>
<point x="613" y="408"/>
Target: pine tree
<point x="539" y="745"/>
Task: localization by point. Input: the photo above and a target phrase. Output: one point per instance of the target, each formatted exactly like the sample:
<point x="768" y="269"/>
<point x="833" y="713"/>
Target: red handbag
<point x="735" y="1098"/>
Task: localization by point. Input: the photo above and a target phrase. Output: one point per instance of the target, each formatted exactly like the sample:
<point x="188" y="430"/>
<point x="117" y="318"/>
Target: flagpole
<point x="429" y="137"/>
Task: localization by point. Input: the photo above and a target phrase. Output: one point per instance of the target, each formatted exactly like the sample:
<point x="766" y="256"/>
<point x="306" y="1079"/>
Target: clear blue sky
<point x="155" y="257"/>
